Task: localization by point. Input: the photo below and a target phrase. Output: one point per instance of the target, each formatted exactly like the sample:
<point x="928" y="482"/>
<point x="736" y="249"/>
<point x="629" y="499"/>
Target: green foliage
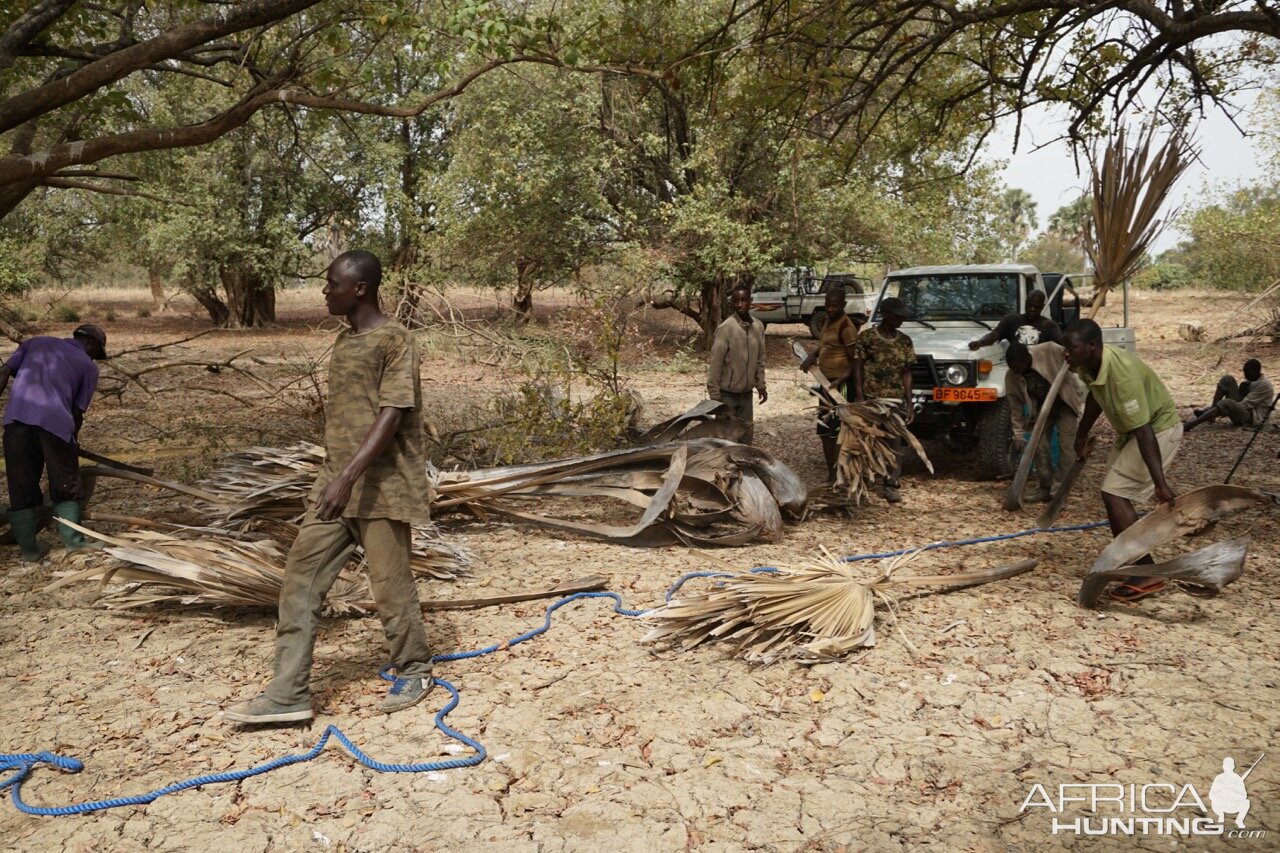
<point x="1050" y="252"/>
<point x="543" y="420"/>
<point x="20" y="263"/>
<point x="577" y="402"/>
<point x="1235" y="241"/>
<point x="1164" y="275"/>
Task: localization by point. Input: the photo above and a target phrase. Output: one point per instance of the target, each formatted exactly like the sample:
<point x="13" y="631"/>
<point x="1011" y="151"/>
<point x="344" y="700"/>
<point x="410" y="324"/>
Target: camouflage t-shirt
<point x="367" y="372"/>
<point x="882" y="362"/>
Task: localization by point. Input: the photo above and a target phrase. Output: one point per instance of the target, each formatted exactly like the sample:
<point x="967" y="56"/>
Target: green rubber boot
<point x="72" y="540"/>
<point x="24" y="524"/>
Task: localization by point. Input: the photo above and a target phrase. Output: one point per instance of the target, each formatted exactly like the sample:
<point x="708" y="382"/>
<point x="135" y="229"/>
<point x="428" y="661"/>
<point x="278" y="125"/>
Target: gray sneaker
<point x="405" y="693"/>
<point x="260" y="709"/>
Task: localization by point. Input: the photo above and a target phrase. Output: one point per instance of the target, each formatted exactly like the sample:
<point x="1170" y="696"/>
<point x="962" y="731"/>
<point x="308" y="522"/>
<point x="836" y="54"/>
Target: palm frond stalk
<point x="819" y="611"/>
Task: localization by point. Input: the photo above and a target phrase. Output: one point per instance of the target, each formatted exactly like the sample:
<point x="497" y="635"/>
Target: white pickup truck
<point x="958" y="392"/>
<point x="796" y="295"/>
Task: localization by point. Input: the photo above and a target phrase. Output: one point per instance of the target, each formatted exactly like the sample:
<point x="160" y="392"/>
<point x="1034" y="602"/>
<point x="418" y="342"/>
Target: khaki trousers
<point x="317" y="556"/>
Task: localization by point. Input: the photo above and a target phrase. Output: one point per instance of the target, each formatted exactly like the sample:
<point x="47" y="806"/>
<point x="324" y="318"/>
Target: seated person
<point x="1245" y="403"/>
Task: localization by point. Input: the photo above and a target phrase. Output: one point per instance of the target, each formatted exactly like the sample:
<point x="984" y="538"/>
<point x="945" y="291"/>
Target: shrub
<point x="1165" y="275"/>
<point x="64" y="314"/>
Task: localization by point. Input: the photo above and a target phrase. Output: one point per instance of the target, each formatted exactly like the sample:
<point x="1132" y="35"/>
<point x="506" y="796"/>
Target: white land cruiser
<point x="796" y="295"/>
<point x="960" y="393"/>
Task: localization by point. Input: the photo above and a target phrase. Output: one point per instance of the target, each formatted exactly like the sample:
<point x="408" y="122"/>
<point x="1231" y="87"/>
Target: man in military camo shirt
<point x="371" y="488"/>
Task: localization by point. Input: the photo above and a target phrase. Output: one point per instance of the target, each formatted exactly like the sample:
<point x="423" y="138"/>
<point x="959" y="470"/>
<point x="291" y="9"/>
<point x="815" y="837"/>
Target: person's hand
<point x="807" y="363"/>
<point x="975" y="345"/>
<point x="1188" y="426"/>
<point x="908" y="410"/>
<point x="333" y="499"/>
<point x="1165" y="495"/>
<point x="1080" y="445"/>
<point x="764" y="395"/>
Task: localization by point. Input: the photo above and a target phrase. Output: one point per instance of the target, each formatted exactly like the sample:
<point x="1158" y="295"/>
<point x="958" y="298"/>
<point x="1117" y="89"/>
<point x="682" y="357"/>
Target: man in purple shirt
<point x="53" y="382"/>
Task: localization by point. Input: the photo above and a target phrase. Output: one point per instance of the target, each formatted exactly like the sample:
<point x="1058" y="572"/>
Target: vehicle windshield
<point x="957" y="296"/>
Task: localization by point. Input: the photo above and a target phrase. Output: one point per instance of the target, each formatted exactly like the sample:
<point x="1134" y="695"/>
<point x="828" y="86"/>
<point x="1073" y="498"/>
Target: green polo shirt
<point x="1129" y="393"/>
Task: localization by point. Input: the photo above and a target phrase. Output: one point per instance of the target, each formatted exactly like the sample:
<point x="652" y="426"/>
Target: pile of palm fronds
<point x="199" y="566"/>
<point x="262" y="482"/>
<point x="702" y="492"/>
<point x="817" y="612"/>
<point x="869" y="433"/>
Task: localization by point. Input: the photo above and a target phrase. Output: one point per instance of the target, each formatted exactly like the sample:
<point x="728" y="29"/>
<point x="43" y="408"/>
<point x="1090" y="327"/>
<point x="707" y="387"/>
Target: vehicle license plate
<point x="965" y="395"/>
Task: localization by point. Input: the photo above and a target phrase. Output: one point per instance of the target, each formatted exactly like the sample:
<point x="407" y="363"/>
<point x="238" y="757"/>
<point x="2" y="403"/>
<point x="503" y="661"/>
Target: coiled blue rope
<point x="22" y="764"/>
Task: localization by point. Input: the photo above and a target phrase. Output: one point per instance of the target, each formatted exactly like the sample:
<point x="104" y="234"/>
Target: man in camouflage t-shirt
<point x="882" y="359"/>
<point x="371" y="488"/>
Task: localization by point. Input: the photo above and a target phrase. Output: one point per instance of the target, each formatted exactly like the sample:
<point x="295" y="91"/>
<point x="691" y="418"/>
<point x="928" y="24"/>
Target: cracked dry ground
<point x="933" y="737"/>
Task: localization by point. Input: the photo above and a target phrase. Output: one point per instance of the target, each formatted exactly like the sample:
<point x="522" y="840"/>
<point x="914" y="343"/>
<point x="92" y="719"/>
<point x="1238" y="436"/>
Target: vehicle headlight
<point x="955" y="374"/>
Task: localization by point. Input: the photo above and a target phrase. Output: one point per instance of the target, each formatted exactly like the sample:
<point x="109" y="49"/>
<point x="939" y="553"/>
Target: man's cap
<point x="93" y="333"/>
<point x="895" y="306"/>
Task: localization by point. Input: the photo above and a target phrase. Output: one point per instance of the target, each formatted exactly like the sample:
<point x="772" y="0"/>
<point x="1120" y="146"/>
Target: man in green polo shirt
<point x="1140" y="409"/>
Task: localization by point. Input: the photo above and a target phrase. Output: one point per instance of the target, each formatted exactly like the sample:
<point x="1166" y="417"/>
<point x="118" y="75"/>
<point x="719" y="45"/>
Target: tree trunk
<point x="155" y="273"/>
<point x="251" y="302"/>
<point x="209" y="298"/>
<point x="523" y="301"/>
<point x="711" y="308"/>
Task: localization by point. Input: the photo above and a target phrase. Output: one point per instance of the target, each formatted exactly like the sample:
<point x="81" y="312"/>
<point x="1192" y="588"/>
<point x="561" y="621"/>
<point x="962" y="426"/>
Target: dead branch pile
<point x="817" y="612"/>
<point x="869" y="432"/>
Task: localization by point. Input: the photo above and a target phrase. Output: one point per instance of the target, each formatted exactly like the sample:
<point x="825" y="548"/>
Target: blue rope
<point x="22" y="764"/>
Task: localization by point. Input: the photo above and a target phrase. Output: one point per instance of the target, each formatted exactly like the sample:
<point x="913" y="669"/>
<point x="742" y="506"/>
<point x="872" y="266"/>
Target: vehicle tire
<point x="816" y="320"/>
<point x="992" y="431"/>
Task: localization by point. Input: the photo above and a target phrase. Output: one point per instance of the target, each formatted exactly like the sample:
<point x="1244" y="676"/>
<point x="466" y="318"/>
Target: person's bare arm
<point x="1150" y="450"/>
<point x="986" y="340"/>
<point x="5" y="373"/>
<point x="1087" y="420"/>
<point x="857" y="380"/>
<point x="334" y="497"/>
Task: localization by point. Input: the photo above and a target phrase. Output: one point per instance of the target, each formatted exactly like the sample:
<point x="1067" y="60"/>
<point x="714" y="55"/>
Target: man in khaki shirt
<point x="371" y="488"/>
<point x="736" y="363"/>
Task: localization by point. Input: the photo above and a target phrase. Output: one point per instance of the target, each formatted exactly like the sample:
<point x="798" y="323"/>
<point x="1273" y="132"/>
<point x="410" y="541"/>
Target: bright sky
<point x="1226" y="160"/>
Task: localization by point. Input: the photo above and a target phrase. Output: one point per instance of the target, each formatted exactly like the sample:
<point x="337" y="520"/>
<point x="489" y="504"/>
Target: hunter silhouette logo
<point x="1227" y="794"/>
<point x="1153" y="808"/>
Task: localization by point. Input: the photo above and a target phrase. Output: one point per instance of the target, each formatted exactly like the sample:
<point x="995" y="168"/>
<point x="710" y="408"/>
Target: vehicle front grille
<point x="923" y="374"/>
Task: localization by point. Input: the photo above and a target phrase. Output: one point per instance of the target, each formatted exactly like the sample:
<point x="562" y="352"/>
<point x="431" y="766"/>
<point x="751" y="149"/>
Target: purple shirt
<point x="51" y="376"/>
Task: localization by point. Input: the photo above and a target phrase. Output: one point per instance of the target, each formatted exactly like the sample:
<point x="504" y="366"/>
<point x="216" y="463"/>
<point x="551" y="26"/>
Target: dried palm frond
<point x="211" y="566"/>
<point x="263" y="482"/>
<point x="200" y="567"/>
<point x="869" y="432"/>
<point x="819" y="611"/>
<point x="1206" y="571"/>
<point x="1130" y="186"/>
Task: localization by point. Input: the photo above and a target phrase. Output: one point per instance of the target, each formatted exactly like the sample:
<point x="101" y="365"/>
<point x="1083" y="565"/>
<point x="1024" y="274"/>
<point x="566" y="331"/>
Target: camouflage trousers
<point x="317" y="556"/>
